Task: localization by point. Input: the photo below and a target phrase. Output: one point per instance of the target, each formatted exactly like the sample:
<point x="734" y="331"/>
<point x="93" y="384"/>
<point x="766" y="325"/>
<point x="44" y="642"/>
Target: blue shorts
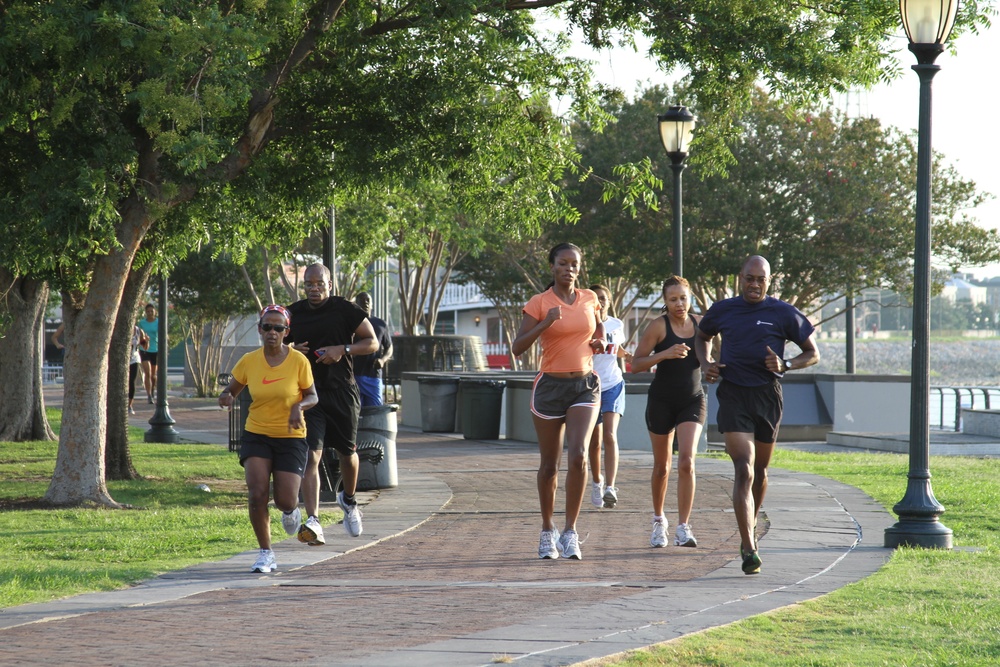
<point x="551" y="396"/>
<point x="371" y="390"/>
<point x="612" y="400"/>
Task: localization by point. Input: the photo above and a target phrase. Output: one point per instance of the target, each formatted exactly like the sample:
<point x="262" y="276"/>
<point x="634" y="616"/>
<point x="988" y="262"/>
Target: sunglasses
<point x="280" y="328"/>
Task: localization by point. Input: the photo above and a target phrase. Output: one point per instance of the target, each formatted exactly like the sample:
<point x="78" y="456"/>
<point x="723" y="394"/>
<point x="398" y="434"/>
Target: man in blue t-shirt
<point x="754" y="328"/>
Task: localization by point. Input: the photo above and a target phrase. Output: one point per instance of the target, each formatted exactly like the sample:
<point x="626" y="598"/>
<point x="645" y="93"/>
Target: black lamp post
<point x="676" y="128"/>
<point x="928" y="24"/>
<point x="161" y="423"/>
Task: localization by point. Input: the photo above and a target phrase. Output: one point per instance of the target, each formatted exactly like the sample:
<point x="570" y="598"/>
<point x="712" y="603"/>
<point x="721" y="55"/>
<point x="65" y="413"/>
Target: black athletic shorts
<point x="146" y="355"/>
<point x="754" y="410"/>
<point x="662" y="416"/>
<point x="333" y="422"/>
<point x="286" y="454"/>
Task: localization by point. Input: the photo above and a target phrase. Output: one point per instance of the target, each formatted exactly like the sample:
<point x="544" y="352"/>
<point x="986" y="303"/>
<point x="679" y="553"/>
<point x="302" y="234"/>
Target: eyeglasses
<point x="280" y="328"/>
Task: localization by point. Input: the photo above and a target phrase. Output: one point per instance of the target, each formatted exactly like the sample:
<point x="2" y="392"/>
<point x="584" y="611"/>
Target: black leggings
<point x="133" y="371"/>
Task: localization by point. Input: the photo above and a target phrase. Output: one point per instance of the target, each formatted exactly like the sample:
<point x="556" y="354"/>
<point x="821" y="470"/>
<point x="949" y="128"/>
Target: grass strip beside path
<point x="46" y="554"/>
<point x="925" y="607"/>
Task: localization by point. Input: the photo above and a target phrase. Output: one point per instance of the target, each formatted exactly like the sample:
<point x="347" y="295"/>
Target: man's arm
<point x="808" y="357"/>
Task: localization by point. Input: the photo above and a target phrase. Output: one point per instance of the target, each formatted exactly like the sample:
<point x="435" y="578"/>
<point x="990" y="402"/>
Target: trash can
<point x="377" y="448"/>
<point x="438" y="394"/>
<point x="482" y="401"/>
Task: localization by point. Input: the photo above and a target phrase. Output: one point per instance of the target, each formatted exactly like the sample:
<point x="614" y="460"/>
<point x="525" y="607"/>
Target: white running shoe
<point x="659" y="536"/>
<point x="569" y="545"/>
<point x="547" y="544"/>
<point x="291" y="521"/>
<point x="597" y="493"/>
<point x="265" y="562"/>
<point x="311" y="532"/>
<point x="684" y="537"/>
<point x="610" y="497"/>
<point x="352" y="516"/>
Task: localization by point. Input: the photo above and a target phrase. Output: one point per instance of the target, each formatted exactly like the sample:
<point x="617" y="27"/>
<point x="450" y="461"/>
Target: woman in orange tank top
<point x="566" y="396"/>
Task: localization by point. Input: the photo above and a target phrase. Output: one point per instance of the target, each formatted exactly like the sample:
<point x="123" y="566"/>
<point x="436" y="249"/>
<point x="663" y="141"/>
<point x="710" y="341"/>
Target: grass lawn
<point x="47" y="554"/>
<point x="925" y="607"/>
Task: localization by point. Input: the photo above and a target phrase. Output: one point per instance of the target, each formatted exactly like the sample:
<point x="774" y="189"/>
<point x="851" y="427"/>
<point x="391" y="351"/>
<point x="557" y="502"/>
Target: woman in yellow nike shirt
<point x="274" y="440"/>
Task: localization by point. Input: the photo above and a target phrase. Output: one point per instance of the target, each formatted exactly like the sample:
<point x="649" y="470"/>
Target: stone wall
<point x="968" y="363"/>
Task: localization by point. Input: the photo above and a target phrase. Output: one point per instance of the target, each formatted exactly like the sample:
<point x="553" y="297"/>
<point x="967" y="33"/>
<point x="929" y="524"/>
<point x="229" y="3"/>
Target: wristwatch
<point x="787" y="365"/>
<point x="347" y="350"/>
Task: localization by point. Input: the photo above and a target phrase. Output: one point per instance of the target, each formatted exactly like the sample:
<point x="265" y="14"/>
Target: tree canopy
<point x="115" y="113"/>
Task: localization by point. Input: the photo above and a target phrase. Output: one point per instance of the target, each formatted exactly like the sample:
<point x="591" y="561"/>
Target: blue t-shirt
<point x="748" y="329"/>
<point x="152" y="330"/>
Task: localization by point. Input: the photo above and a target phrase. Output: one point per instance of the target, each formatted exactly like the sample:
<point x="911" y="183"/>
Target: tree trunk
<point x="78" y="477"/>
<point x="117" y="456"/>
<point x="22" y="404"/>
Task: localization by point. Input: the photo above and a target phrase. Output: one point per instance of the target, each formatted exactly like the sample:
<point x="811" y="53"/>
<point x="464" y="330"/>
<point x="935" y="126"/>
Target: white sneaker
<point x="597" y="493"/>
<point x="547" y="544"/>
<point x="291" y="521"/>
<point x="684" y="536"/>
<point x="610" y="497"/>
<point x="569" y="545"/>
<point x="311" y="532"/>
<point x="352" y="516"/>
<point x="265" y="562"/>
<point x="659" y="536"/>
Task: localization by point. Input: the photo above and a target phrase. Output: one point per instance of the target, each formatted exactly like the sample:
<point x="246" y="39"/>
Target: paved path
<point x="446" y="573"/>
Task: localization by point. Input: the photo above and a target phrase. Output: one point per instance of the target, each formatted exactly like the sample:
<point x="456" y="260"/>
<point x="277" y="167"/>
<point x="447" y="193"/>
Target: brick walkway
<point x="446" y="577"/>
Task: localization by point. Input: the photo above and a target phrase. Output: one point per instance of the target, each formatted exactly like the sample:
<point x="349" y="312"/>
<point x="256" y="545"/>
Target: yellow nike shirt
<point x="275" y="389"/>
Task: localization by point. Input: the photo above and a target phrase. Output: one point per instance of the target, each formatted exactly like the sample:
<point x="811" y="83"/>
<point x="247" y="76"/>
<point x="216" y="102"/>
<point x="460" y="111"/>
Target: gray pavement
<point x="446" y="572"/>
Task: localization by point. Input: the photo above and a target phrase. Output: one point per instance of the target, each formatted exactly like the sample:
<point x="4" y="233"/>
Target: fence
<point x="52" y="373"/>
<point x="946" y="403"/>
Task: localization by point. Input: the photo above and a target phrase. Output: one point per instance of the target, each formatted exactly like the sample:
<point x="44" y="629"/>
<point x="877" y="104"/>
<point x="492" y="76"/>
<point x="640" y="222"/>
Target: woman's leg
<point x="688" y="434"/>
<point x="147" y="378"/>
<point x="662" y="455"/>
<point x="133" y="370"/>
<point x="595" y="454"/>
<point x="550" y="434"/>
<point x="258" y="475"/>
<point x="610" y="425"/>
<point x="580" y="422"/>
<point x="286" y="490"/>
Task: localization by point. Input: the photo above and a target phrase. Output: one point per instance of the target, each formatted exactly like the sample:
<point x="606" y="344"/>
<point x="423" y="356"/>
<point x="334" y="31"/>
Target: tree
<point x="814" y="192"/>
<point x="22" y="313"/>
<point x="114" y="114"/>
<point x="208" y="293"/>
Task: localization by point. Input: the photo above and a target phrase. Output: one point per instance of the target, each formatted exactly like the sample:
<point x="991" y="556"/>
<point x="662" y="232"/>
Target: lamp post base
<point x="916" y="533"/>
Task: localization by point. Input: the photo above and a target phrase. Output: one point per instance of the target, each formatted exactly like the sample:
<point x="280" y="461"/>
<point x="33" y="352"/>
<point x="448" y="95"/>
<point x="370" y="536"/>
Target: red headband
<point x="273" y="308"/>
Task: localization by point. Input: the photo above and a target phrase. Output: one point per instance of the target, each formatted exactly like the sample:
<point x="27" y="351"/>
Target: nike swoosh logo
<point x="266" y="381"/>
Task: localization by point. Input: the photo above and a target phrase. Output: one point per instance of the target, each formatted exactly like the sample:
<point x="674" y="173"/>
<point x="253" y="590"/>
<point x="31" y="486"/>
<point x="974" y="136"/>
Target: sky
<point x="962" y="94"/>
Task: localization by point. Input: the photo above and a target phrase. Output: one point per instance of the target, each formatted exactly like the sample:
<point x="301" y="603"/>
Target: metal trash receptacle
<point x="376" y="446"/>
<point x="438" y="399"/>
<point x="481" y="405"/>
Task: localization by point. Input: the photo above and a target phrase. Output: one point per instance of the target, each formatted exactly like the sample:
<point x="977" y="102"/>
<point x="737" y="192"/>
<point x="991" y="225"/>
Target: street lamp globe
<point x="928" y="21"/>
<point x="676" y="129"/>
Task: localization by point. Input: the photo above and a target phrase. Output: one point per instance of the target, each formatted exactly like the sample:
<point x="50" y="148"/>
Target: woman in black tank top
<point x="675" y="405"/>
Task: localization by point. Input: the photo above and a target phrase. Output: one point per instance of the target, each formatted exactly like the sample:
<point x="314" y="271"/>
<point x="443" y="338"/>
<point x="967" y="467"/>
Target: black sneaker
<point x="751" y="562"/>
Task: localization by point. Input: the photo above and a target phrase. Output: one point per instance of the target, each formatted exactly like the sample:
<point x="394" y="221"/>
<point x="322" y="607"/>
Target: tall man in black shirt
<point x="330" y="330"/>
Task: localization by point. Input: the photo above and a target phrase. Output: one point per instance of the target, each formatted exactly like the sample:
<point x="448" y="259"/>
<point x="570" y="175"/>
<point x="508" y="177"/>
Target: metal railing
<point x="946" y="404"/>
